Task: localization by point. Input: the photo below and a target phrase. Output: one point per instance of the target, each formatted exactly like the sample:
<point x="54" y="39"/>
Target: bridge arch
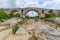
<point x="32" y="9"/>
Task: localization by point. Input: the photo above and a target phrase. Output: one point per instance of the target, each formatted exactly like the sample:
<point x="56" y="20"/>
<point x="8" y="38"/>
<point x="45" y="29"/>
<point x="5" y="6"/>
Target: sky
<point x="31" y="14"/>
<point x="48" y="4"/>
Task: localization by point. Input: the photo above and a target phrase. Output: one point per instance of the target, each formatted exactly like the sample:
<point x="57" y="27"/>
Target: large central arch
<point x="32" y="9"/>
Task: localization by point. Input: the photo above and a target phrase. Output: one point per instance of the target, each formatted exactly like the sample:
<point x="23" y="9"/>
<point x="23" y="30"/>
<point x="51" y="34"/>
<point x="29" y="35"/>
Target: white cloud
<point x="50" y="4"/>
<point x="27" y="3"/>
<point x="7" y="3"/>
<point x="3" y="3"/>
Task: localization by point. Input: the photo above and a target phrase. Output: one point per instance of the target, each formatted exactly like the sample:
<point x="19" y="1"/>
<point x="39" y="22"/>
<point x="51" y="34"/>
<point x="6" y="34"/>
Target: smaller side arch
<point x="13" y="11"/>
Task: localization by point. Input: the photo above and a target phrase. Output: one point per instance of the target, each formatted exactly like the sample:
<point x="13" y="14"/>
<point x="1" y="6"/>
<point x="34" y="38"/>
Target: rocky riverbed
<point x="31" y="30"/>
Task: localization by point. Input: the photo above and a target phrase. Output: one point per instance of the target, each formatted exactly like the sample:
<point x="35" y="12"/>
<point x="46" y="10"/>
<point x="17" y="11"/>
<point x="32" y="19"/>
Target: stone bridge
<point x="23" y="11"/>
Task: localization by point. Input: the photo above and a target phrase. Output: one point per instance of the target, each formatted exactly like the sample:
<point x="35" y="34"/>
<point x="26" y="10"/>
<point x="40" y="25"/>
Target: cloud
<point x="27" y="3"/>
<point x="55" y="4"/>
<point x="3" y="3"/>
<point x="7" y="3"/>
<point x="50" y="4"/>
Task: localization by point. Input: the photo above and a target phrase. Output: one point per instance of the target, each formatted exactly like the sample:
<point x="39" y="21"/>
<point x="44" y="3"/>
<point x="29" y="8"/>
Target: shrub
<point x="36" y="18"/>
<point x="23" y="20"/>
<point x="15" y="28"/>
<point x="49" y="15"/>
<point x="10" y="15"/>
<point x="27" y="17"/>
<point x="3" y="15"/>
<point x="16" y="15"/>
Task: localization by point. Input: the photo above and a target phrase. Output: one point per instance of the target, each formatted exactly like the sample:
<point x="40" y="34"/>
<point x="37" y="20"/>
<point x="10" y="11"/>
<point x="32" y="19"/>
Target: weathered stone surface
<point x="34" y="31"/>
<point x="57" y="20"/>
<point x="21" y="31"/>
<point x="10" y="21"/>
<point x="2" y="27"/>
<point x="30" y="27"/>
<point x="4" y="33"/>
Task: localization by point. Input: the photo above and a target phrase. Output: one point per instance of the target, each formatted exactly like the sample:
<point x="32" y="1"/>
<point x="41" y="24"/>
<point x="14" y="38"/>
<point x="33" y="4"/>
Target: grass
<point x="15" y="28"/>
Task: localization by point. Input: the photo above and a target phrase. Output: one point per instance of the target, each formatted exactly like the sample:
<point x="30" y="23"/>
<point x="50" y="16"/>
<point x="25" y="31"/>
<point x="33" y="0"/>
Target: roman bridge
<point x="23" y="11"/>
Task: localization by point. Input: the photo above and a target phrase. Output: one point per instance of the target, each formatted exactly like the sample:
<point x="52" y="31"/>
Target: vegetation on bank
<point x="5" y="16"/>
<point x="31" y="17"/>
<point x="50" y="15"/>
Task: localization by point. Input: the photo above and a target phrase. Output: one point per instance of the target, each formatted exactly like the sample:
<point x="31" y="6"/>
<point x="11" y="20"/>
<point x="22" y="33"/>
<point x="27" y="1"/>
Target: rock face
<point x="4" y="33"/>
<point x="10" y="21"/>
<point x="21" y="31"/>
<point x="39" y="30"/>
<point x="57" y="20"/>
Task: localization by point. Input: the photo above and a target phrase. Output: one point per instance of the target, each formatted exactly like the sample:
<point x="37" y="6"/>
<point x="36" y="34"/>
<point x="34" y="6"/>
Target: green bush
<point x="15" y="28"/>
<point x="23" y="20"/>
<point x="27" y="17"/>
<point x="16" y="15"/>
<point x="10" y="15"/>
<point x="50" y="15"/>
<point x="3" y="15"/>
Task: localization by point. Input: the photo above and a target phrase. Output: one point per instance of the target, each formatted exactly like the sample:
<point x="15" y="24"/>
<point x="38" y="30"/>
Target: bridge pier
<point x="20" y="12"/>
